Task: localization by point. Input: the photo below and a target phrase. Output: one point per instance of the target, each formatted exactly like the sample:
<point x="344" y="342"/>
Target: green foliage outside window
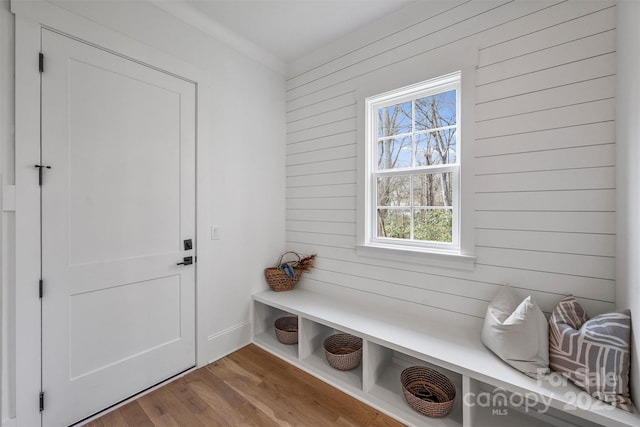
<point x="433" y="225"/>
<point x="429" y="224"/>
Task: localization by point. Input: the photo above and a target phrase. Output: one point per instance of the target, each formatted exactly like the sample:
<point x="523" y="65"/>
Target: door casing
<point x="31" y="17"/>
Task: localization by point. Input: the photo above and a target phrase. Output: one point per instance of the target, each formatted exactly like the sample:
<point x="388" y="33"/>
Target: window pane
<point x="432" y="189"/>
<point x="393" y="191"/>
<point x="394" y="120"/>
<point x="432" y="224"/>
<point x="395" y="223"/>
<point x="394" y="153"/>
<point x="436" y="148"/>
<point x="436" y="111"/>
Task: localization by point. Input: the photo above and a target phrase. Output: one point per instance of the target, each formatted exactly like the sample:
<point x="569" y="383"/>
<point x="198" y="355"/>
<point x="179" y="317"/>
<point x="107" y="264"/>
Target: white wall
<point x="628" y="142"/>
<point x="244" y="167"/>
<point x="544" y="147"/>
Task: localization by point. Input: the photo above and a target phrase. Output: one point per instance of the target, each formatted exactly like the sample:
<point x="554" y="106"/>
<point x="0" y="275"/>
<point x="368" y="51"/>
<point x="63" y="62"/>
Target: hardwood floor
<point x="247" y="388"/>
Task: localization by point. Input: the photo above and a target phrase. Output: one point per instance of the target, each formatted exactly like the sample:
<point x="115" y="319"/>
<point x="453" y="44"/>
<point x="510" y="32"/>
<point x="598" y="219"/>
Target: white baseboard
<point x="9" y="422"/>
<point x="227" y="341"/>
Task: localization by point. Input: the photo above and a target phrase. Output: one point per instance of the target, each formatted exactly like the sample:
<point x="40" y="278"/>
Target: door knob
<point x="188" y="260"/>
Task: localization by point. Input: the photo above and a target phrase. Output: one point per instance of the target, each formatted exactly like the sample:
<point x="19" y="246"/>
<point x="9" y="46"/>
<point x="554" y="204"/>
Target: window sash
<point x="372" y="114"/>
<point x="455" y="209"/>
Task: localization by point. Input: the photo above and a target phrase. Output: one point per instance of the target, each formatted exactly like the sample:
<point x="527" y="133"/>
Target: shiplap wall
<point x="544" y="151"/>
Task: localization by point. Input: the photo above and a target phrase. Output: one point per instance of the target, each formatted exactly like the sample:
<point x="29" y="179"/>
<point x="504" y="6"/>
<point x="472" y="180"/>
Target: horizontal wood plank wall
<point x="544" y="152"/>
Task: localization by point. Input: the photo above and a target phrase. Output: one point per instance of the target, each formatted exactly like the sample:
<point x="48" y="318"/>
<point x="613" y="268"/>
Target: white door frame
<point x="31" y="17"/>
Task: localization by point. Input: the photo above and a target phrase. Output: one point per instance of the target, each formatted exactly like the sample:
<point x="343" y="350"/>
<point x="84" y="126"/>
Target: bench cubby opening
<point x="264" y="332"/>
<point x="313" y="354"/>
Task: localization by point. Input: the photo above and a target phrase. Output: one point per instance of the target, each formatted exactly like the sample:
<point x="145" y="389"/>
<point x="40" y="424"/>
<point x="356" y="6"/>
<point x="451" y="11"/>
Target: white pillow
<point x="517" y="333"/>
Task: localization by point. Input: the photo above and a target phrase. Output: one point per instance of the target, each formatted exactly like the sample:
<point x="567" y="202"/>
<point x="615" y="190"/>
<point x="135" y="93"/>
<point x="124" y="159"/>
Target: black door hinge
<point x="40" y="168"/>
<point x="41" y="62"/>
<point x="40" y="288"/>
<point x="41" y="401"/>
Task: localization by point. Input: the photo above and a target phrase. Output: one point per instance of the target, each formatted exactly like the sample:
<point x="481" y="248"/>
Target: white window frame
<point x="454" y="254"/>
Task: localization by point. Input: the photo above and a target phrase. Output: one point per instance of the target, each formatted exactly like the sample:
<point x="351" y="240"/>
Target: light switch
<point x="215" y="232"/>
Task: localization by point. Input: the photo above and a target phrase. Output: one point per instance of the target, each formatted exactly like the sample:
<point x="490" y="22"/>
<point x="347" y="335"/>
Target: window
<point x="413" y="167"/>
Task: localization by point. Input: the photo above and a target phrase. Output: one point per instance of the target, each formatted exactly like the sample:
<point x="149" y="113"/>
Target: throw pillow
<point x="517" y="333"/>
<point x="593" y="354"/>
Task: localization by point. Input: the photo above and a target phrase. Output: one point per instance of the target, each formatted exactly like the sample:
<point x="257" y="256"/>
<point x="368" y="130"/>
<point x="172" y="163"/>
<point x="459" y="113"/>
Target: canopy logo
<point x="500" y="401"/>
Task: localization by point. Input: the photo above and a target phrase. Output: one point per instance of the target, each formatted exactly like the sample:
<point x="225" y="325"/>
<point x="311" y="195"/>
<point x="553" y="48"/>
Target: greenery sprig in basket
<point x="285" y="274"/>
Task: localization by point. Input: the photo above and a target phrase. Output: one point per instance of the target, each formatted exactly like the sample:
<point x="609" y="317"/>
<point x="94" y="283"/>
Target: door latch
<point x="188" y="260"/>
<point x="40" y="170"/>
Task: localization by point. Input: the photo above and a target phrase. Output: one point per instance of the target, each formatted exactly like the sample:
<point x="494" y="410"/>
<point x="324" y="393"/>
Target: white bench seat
<point x="446" y="341"/>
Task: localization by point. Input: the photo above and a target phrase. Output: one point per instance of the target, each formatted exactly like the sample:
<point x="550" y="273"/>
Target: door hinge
<point x="41" y="401"/>
<point x="40" y="168"/>
<point x="41" y="62"/>
<point x="41" y="288"/>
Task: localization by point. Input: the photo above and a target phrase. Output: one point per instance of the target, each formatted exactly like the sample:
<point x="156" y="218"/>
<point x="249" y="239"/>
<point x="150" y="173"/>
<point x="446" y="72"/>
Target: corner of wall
<point x="227" y="341"/>
<point x="628" y="176"/>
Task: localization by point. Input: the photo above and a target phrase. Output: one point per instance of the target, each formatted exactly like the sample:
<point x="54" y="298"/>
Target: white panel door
<point x="118" y="313"/>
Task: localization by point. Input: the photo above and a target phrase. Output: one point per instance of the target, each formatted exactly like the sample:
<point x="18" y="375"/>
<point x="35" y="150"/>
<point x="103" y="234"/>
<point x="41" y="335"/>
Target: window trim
<point x="459" y="257"/>
<point x="410" y="93"/>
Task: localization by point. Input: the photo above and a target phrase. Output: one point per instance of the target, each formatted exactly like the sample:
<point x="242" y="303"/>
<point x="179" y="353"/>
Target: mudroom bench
<point x="488" y="391"/>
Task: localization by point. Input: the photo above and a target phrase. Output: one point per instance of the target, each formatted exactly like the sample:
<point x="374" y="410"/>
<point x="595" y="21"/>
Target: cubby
<point x="489" y="393"/>
<point x="313" y="355"/>
<point x="264" y="330"/>
<point x="384" y="367"/>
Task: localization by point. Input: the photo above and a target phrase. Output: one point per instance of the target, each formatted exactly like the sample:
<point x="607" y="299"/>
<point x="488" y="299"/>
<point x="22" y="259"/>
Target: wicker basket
<point x="428" y="391"/>
<point x="287" y="329"/>
<point x="343" y="351"/>
<point x="278" y="279"/>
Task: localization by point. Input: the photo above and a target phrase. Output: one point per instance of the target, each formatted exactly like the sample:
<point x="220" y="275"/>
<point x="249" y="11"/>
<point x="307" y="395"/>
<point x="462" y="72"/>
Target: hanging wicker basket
<point x="428" y="391"/>
<point x="278" y="279"/>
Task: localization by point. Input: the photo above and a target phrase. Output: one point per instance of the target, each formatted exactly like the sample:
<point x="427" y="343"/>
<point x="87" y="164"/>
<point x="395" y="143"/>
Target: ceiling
<point x="284" y="29"/>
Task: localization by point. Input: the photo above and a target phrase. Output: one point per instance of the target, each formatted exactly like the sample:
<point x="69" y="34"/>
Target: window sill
<point x="418" y="256"/>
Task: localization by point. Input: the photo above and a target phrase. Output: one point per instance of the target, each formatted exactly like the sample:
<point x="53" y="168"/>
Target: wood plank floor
<point x="247" y="388"/>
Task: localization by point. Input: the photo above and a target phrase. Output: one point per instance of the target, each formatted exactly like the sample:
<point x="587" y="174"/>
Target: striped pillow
<point x="593" y="354"/>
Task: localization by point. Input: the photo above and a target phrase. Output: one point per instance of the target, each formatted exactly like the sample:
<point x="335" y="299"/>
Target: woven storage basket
<point x="428" y="391"/>
<point x="343" y="351"/>
<point x="287" y="329"/>
<point x="278" y="279"/>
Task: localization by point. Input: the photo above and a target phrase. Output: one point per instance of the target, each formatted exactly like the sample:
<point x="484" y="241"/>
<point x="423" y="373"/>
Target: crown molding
<point x="189" y="15"/>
